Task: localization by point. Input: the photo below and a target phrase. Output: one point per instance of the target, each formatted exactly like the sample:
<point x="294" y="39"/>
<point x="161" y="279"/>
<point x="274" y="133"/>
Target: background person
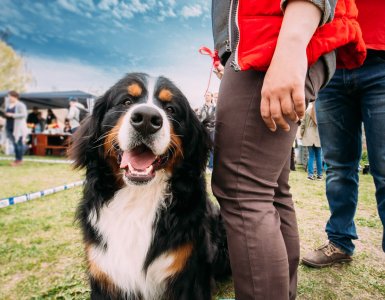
<point x="16" y="125"/>
<point x="67" y="126"/>
<point x="215" y="99"/>
<point x="73" y="115"/>
<point x="40" y="125"/>
<point x="310" y="139"/>
<point x="256" y="124"/>
<point x="50" y="116"/>
<point x="33" y="117"/>
<point x="54" y="124"/>
<point x="205" y="113"/>
<point x="207" y="116"/>
<point x="351" y="98"/>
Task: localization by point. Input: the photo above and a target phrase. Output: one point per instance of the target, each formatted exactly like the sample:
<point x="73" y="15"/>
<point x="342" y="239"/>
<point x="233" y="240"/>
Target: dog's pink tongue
<point x="140" y="160"/>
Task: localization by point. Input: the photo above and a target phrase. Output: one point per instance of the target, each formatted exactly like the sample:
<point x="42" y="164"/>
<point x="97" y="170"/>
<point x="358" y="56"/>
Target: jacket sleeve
<point x="327" y="8"/>
<point x="71" y="113"/>
<point x="21" y="112"/>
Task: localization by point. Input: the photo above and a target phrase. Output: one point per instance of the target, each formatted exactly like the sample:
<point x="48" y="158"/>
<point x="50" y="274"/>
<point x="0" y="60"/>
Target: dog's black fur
<point x="189" y="218"/>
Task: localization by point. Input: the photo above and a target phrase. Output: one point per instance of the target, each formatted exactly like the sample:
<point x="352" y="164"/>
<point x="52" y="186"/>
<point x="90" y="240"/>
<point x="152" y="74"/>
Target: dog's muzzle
<point x="143" y="139"/>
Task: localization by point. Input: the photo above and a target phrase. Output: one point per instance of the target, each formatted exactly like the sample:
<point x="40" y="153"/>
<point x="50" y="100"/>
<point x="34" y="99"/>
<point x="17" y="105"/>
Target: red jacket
<point x="259" y="22"/>
<point x="371" y="17"/>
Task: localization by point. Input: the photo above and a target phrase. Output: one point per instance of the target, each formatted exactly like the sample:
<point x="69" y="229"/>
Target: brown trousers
<point x="250" y="181"/>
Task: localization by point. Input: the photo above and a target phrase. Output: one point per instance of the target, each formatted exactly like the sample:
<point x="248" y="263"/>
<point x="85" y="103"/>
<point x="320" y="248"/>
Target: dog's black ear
<point x="83" y="148"/>
<point x="81" y="140"/>
<point x="198" y="143"/>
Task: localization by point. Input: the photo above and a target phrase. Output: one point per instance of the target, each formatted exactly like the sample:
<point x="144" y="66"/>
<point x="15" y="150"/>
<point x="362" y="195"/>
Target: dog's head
<point x="140" y="127"/>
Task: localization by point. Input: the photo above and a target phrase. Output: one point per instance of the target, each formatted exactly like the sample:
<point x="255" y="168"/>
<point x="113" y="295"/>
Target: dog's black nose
<point x="146" y="120"/>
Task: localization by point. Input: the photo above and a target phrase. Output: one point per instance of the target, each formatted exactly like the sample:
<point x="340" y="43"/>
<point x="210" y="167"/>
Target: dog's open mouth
<point x="140" y="163"/>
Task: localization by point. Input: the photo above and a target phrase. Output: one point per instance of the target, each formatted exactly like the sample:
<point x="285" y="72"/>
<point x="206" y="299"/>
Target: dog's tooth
<point x="131" y="168"/>
<point x="149" y="169"/>
<point x="135" y="172"/>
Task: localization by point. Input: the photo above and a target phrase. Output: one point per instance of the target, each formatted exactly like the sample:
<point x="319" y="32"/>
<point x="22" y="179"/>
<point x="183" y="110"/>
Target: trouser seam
<point x="237" y="191"/>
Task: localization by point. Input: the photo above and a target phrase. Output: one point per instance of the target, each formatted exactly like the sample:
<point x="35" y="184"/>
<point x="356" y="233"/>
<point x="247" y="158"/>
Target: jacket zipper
<point x="228" y="41"/>
<point x="235" y="63"/>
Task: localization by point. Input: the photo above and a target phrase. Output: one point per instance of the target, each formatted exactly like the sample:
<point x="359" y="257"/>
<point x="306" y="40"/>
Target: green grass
<point x="41" y="253"/>
<point x="33" y="177"/>
<point x="364" y="158"/>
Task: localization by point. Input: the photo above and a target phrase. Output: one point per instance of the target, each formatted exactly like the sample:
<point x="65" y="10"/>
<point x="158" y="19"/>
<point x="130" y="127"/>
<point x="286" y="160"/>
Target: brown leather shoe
<point x="325" y="256"/>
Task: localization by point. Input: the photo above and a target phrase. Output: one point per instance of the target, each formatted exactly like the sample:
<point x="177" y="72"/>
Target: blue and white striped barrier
<point x="50" y="161"/>
<point x="23" y="198"/>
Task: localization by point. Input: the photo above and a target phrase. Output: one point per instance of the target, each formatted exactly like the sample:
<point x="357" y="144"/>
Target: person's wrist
<point x="289" y="52"/>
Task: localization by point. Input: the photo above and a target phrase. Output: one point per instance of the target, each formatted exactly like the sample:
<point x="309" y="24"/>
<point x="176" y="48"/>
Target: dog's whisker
<point x="172" y="119"/>
<point x="106" y="141"/>
<point x="118" y="111"/>
<point x="114" y="131"/>
<point x="172" y="150"/>
<point x="100" y="145"/>
<point x="102" y="136"/>
<point x="177" y="147"/>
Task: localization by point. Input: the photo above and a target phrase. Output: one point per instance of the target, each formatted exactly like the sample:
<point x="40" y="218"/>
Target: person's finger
<point x="298" y="96"/>
<point x="287" y="107"/>
<point x="265" y="113"/>
<point x="276" y="114"/>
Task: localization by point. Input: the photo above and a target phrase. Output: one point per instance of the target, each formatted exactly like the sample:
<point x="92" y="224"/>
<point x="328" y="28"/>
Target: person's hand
<point x="219" y="71"/>
<point x="9" y="115"/>
<point x="283" y="90"/>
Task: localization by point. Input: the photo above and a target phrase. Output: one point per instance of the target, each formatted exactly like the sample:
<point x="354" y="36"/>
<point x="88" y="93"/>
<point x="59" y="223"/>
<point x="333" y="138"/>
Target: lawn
<point x="41" y="254"/>
<point x="33" y="177"/>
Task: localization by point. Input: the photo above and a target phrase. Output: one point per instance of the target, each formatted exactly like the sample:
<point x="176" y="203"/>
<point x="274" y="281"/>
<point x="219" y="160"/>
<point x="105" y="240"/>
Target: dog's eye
<point x="128" y="102"/>
<point x="170" y="109"/>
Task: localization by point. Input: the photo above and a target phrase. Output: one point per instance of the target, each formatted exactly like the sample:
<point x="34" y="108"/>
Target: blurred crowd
<point x="17" y="124"/>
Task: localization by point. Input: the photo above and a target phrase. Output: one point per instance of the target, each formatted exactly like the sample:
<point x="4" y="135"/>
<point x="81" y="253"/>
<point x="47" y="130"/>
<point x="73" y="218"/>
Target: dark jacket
<point x="207" y="117"/>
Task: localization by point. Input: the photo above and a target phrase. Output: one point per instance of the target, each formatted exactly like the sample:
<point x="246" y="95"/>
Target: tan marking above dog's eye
<point x="165" y="95"/>
<point x="134" y="90"/>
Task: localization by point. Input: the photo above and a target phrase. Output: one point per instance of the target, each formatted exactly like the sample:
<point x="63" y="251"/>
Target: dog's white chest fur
<point x="126" y="226"/>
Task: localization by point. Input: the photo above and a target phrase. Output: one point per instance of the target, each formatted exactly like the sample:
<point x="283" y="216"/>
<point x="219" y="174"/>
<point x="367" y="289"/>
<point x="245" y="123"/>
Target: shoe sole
<point x="314" y="265"/>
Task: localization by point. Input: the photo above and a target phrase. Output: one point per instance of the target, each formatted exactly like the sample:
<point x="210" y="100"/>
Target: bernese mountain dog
<point x="149" y="229"/>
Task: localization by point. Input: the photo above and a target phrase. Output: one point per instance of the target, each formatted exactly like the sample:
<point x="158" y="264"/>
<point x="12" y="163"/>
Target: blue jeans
<point x="211" y="155"/>
<point x="211" y="160"/>
<point x="352" y="97"/>
<point x="17" y="146"/>
<point x="314" y="152"/>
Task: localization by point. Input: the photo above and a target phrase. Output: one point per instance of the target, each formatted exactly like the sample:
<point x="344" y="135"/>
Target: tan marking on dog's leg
<point x="181" y="256"/>
<point x="99" y="276"/>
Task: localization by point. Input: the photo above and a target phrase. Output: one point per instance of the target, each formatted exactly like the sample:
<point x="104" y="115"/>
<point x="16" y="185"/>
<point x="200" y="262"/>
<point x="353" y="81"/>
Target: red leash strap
<point x="214" y="55"/>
